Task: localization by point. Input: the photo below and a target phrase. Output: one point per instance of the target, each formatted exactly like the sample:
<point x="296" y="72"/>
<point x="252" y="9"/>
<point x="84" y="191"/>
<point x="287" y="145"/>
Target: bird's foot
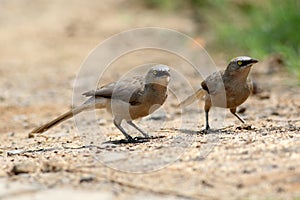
<point x="205" y="131"/>
<point x="142" y="138"/>
<point x="137" y="140"/>
<point x="209" y="131"/>
<point x="149" y="137"/>
<point x="123" y="141"/>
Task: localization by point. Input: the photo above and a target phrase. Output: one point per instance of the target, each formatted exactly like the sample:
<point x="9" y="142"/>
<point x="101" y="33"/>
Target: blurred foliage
<point x="256" y="28"/>
<point x="174" y="4"/>
<point x="262" y="29"/>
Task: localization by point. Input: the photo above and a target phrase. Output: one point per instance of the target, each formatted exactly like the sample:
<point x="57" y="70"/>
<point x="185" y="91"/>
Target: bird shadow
<point x="201" y="132"/>
<point x="188" y="131"/>
<point x="116" y="142"/>
<point x="135" y="141"/>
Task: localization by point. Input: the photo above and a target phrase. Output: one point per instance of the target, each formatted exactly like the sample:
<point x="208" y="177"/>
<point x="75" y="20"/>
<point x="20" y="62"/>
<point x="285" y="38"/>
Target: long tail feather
<point x="199" y="94"/>
<point x="60" y="119"/>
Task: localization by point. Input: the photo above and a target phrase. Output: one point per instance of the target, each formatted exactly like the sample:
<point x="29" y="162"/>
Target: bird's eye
<point x="154" y="72"/>
<point x="239" y="63"/>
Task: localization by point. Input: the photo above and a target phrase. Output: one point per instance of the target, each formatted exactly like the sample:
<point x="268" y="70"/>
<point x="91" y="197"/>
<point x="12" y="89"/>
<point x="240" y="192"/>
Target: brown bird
<point x="127" y="99"/>
<point x="228" y="88"/>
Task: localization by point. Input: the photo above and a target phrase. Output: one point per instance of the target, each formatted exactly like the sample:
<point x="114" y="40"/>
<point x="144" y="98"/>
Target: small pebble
<point x="24" y="168"/>
<point x="87" y="178"/>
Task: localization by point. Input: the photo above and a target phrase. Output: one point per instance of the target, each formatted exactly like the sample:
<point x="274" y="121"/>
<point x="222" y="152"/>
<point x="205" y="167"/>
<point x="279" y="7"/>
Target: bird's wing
<point x="128" y="90"/>
<point x="213" y="83"/>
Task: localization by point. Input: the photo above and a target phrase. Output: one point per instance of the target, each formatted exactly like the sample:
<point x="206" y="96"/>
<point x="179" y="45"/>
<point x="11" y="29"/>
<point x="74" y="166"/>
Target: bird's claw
<point x="205" y="131"/>
<point x="137" y="140"/>
<point x="149" y="137"/>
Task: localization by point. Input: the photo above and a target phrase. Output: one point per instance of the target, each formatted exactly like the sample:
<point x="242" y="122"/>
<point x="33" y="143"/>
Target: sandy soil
<point x="43" y="46"/>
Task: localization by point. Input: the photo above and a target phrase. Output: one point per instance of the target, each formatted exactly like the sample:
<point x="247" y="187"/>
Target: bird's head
<point x="159" y="74"/>
<point x="241" y="63"/>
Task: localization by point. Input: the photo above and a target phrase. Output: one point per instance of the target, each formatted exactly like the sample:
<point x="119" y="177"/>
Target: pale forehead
<point x="241" y="58"/>
<point x="160" y="68"/>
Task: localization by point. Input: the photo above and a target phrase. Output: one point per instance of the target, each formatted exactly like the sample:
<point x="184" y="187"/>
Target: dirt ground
<point x="43" y="46"/>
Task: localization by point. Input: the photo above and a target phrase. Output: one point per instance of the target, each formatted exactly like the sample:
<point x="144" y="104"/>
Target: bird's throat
<point x="240" y="74"/>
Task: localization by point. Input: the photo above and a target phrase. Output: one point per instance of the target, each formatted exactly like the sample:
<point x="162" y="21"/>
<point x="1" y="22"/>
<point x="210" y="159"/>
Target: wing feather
<point x="128" y="90"/>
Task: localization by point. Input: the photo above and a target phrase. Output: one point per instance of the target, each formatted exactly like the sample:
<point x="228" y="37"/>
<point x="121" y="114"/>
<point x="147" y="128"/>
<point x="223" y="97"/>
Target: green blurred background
<point x="252" y="27"/>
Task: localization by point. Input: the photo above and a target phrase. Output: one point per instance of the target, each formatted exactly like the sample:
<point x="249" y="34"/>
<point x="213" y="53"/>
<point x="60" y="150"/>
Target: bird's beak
<point x="253" y="61"/>
<point x="162" y="74"/>
<point x="250" y="63"/>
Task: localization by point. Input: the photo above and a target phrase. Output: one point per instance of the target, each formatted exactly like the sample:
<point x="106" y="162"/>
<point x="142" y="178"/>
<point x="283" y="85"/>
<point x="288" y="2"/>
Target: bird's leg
<point x="139" y="129"/>
<point x="233" y="111"/>
<point x="206" y="109"/>
<point x="128" y="137"/>
<point x="207" y="123"/>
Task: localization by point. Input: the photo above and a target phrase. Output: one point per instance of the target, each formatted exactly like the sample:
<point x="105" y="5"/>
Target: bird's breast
<point x="237" y="95"/>
<point x="230" y="97"/>
<point x="151" y="101"/>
